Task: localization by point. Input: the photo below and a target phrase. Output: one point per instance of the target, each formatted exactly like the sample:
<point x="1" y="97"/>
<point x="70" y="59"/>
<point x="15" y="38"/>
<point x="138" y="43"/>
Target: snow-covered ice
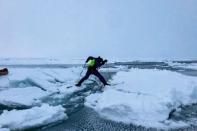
<point x="4" y="82"/>
<point x="26" y="86"/>
<point x="4" y="129"/>
<point x="138" y="96"/>
<point x="28" y="96"/>
<point x="34" y="117"/>
<point x="145" y="97"/>
<point x="46" y="79"/>
<point x="183" y="65"/>
<point x="31" y="87"/>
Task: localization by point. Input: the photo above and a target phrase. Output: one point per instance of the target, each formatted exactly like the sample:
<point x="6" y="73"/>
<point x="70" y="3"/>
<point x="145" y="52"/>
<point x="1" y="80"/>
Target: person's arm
<point x="100" y="62"/>
<point x="103" y="62"/>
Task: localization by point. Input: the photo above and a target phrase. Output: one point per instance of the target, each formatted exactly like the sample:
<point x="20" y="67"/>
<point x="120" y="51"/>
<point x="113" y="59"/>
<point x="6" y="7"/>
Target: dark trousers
<point x="94" y="72"/>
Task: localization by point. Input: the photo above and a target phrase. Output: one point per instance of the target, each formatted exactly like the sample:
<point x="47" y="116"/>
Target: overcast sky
<point x="134" y="29"/>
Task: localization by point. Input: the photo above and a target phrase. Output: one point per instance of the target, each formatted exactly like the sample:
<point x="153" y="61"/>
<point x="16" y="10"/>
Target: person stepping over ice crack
<point x="93" y="65"/>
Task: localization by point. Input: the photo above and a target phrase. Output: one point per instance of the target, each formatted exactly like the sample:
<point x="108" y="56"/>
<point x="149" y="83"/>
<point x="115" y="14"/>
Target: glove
<point x="105" y="61"/>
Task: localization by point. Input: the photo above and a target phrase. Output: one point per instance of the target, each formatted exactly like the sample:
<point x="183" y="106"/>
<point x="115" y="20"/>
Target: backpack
<point x="91" y="63"/>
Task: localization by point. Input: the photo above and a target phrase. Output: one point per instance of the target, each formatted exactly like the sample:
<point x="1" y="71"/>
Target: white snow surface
<point x="4" y="129"/>
<point x="22" y="96"/>
<point x="26" y="86"/>
<point x="183" y="65"/>
<point x="34" y="117"/>
<point x="46" y="79"/>
<point x="145" y="97"/>
<point x="4" y="82"/>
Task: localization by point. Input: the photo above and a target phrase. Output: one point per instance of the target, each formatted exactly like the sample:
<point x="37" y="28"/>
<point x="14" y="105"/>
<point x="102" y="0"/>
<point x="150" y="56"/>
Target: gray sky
<point x="134" y="29"/>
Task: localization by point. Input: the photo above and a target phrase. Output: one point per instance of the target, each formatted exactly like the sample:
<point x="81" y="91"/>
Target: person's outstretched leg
<point x="88" y="73"/>
<point x="101" y="78"/>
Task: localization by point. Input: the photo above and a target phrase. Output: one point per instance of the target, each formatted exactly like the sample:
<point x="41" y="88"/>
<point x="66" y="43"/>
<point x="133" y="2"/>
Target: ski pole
<point x="82" y="69"/>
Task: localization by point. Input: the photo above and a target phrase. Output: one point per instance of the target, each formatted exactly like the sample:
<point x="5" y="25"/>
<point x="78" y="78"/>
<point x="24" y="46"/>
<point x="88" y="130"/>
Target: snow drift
<point x="192" y="66"/>
<point x="34" y="117"/>
<point x="25" y="88"/>
<point x="145" y="97"/>
<point x="27" y="97"/>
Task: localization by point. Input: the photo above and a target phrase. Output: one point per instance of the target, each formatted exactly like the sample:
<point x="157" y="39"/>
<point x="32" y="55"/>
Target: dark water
<point x="85" y="119"/>
<point x="88" y="120"/>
